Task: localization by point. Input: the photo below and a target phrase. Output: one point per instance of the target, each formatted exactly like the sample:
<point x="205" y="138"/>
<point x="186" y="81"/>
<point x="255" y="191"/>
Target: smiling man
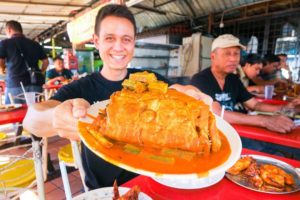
<point x="227" y="90"/>
<point x="114" y="37"/>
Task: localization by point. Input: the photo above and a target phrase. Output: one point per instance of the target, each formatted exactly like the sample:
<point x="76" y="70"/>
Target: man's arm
<point x="277" y="123"/>
<point x="253" y="104"/>
<point x="259" y="81"/>
<point x="44" y="65"/>
<point x="52" y="117"/>
<point x="2" y="66"/>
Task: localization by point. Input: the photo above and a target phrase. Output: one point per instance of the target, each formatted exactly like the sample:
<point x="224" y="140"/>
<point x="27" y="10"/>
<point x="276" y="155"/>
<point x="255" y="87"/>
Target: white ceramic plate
<point x="192" y="181"/>
<point x="240" y="180"/>
<point x="9" y="107"/>
<point x="107" y="193"/>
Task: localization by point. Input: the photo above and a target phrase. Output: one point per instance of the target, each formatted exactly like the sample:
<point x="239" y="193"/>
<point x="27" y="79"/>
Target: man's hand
<point x="66" y="115"/>
<point x="277" y="123"/>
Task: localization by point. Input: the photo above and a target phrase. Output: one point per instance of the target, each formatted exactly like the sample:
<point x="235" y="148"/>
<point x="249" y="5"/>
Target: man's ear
<point x="96" y="40"/>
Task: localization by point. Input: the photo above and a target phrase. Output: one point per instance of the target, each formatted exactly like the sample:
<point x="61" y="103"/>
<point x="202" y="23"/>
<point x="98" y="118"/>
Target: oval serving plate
<point x="192" y="180"/>
<point x="242" y="181"/>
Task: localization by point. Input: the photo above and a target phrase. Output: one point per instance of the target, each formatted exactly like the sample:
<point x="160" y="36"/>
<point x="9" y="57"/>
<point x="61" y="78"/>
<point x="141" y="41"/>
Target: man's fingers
<point x="80" y="107"/>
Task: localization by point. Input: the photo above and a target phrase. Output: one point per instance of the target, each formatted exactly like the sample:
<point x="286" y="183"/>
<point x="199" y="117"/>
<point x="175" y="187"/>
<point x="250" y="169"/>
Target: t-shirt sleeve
<point x="244" y="95"/>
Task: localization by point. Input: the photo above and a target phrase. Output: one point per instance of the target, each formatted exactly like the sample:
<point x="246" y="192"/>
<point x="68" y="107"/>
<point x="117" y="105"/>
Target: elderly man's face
<point x="115" y="41"/>
<point x="226" y="60"/>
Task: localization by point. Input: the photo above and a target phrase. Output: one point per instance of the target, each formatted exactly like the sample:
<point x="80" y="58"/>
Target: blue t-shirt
<point x="16" y="70"/>
<point x="93" y="88"/>
<point x="52" y="73"/>
<point x="233" y="94"/>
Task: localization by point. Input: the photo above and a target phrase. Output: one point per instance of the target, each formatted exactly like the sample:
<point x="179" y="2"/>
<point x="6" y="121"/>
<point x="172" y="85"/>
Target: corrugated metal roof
<point x="179" y="10"/>
<point x="38" y="15"/>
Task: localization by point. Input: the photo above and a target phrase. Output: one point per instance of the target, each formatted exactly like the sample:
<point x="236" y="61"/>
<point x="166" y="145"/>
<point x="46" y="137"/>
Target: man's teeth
<point x="118" y="57"/>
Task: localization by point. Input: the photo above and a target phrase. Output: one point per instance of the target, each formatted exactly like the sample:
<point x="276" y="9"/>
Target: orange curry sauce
<point x="198" y="164"/>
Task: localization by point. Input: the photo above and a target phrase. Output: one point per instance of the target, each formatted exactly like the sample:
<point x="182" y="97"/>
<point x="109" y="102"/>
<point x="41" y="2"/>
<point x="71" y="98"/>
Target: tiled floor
<point x="53" y="186"/>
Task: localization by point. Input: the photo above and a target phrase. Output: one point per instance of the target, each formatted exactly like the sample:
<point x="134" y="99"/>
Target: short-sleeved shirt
<point x="93" y="88"/>
<point x="16" y="69"/>
<point x="52" y="73"/>
<point x="231" y="97"/>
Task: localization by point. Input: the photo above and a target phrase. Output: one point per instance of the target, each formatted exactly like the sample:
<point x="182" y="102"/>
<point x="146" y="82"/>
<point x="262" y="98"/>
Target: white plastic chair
<point x="19" y="173"/>
<point x="67" y="158"/>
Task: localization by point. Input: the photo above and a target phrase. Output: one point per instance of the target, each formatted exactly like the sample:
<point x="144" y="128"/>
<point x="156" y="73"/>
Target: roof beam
<point x="22" y="3"/>
<point x="150" y="9"/>
<point x="133" y="2"/>
<point x="58" y="17"/>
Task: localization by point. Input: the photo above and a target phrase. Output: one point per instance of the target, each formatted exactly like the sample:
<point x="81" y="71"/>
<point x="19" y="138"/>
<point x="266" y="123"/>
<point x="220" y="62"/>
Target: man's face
<point x="59" y="65"/>
<point x="226" y="60"/>
<point x="8" y="32"/>
<point x="253" y="70"/>
<point x="271" y="67"/>
<point x="115" y="42"/>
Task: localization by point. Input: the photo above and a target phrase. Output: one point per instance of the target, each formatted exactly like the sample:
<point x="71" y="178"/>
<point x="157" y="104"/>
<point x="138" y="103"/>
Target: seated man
<point x="269" y="73"/>
<point x="227" y="90"/>
<point x="249" y="69"/>
<point x="58" y="74"/>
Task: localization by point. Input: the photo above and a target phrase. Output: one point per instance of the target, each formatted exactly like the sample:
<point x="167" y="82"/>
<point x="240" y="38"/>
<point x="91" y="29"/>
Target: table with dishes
<point x="13" y="114"/>
<point x="225" y="189"/>
<point x="51" y="89"/>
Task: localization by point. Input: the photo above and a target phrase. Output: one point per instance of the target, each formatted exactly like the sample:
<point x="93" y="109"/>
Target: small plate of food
<point x="115" y="193"/>
<point x="9" y="107"/>
<point x="264" y="174"/>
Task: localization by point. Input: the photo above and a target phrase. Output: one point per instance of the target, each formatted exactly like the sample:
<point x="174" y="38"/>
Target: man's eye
<point x="109" y="39"/>
<point x="127" y="40"/>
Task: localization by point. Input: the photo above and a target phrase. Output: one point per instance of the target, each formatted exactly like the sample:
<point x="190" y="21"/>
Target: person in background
<point x="269" y="72"/>
<point x="114" y="37"/>
<point x="249" y="69"/>
<point x="285" y="71"/>
<point x="226" y="89"/>
<point x="14" y="64"/>
<point x="58" y="74"/>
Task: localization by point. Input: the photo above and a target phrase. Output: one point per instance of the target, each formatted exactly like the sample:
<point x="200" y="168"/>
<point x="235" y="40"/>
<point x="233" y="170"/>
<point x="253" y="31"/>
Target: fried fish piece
<point x="242" y="164"/>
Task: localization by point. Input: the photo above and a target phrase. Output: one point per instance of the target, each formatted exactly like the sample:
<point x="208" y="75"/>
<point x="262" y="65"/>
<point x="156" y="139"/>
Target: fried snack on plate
<point x="242" y="164"/>
<point x="131" y="194"/>
<point x="275" y="176"/>
<point x="146" y="113"/>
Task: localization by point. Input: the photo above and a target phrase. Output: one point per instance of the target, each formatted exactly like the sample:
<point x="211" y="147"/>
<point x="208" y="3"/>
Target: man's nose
<point x="118" y="45"/>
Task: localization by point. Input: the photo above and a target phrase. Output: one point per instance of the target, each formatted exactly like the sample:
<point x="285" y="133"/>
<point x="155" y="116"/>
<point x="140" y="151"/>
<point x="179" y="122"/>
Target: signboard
<point x="81" y="29"/>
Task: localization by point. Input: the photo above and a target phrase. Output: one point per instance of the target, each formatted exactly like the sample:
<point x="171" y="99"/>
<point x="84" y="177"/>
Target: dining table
<point x="50" y="89"/>
<point x="291" y="139"/>
<point x="14" y="116"/>
<point x="225" y="189"/>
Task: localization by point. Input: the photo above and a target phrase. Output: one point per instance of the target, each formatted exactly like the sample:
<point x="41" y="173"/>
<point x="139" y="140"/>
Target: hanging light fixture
<point x="221" y="22"/>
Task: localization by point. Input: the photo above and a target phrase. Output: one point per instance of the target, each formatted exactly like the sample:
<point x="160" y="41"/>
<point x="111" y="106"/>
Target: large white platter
<point x="192" y="180"/>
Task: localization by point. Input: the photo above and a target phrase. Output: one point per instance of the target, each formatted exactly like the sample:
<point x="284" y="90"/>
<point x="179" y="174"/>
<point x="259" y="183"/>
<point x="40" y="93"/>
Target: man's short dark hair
<point x="14" y="25"/>
<point x="270" y="58"/>
<point x="113" y="10"/>
<point x="282" y="54"/>
<point x="251" y="59"/>
<point x="57" y="58"/>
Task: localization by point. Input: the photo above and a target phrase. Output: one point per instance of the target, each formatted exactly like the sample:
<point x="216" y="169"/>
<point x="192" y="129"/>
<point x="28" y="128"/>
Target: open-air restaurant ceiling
<point x="44" y="19"/>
